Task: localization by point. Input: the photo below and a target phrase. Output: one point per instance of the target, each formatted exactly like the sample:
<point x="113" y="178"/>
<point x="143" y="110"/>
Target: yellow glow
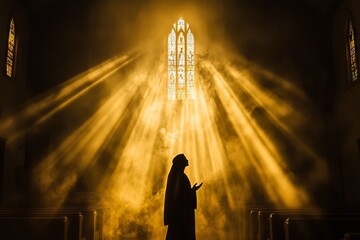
<point x="141" y="131"/>
<point x="181" y="64"/>
<point x="39" y="110"/>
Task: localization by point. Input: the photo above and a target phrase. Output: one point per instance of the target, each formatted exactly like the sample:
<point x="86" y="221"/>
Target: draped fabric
<point x="180" y="205"/>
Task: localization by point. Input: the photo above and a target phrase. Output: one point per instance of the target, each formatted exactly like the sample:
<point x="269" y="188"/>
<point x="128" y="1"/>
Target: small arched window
<point x="11" y="50"/>
<point x="351" y="52"/>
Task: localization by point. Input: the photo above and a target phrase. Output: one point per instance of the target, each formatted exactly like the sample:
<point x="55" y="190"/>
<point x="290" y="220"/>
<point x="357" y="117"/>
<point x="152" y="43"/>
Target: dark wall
<point x="347" y="102"/>
<point x="13" y="93"/>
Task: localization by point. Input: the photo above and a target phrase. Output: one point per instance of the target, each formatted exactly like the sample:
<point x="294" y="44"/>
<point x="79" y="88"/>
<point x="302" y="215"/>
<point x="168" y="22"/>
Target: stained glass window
<point x="11" y="51"/>
<point x="181" y="67"/>
<point x="352" y="60"/>
<point x="172" y="65"/>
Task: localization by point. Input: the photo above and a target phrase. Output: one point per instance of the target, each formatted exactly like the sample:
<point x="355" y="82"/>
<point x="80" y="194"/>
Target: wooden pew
<point x="99" y="222"/>
<point x="91" y="225"/>
<point x="277" y="220"/>
<point x="84" y="223"/>
<point x="75" y="218"/>
<point x="253" y="226"/>
<point x="90" y="230"/>
<point x="319" y="228"/>
<point x="263" y="223"/>
<point x="39" y="228"/>
<point x="248" y="214"/>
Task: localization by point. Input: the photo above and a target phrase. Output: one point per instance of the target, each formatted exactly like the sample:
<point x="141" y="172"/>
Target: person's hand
<point x="195" y="187"/>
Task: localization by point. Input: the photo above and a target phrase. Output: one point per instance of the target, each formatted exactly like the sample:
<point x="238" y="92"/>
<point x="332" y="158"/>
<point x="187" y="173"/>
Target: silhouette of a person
<point x="180" y="202"/>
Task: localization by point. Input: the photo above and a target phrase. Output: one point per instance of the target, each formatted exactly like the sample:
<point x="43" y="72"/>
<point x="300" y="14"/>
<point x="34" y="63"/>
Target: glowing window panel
<point x="352" y="52"/>
<point x="190" y="90"/>
<point x="10" y="58"/>
<point x="181" y="67"/>
<point x="172" y="65"/>
<point x="181" y="24"/>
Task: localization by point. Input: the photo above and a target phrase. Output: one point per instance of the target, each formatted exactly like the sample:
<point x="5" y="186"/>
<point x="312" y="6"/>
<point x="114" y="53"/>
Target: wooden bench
<point x="39" y="228"/>
<point x="83" y="223"/>
<point x="277" y="220"/>
<point x="252" y="231"/>
<point x="263" y="224"/>
<point x="319" y="228"/>
<point x="75" y="218"/>
<point x="91" y="225"/>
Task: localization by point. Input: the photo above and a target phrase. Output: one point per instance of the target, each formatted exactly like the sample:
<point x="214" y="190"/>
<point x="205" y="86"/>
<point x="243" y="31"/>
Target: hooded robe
<point x="180" y="205"/>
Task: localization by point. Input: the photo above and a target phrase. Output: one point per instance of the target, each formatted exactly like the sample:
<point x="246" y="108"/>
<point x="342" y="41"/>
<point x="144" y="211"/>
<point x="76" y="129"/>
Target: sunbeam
<point x="232" y="130"/>
<point x="39" y="110"/>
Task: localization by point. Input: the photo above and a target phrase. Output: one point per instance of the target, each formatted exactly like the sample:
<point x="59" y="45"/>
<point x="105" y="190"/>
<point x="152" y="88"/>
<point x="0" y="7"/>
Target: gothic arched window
<point x="351" y="51"/>
<point x="11" y="50"/>
<point x="181" y="67"/>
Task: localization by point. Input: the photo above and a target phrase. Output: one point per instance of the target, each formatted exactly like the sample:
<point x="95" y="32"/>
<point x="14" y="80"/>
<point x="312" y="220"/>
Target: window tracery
<point x="181" y="51"/>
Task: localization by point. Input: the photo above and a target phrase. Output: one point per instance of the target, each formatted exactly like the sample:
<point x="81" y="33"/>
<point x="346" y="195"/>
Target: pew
<point x="263" y="224"/>
<point x="100" y="222"/>
<point x="253" y="223"/>
<point x="319" y="228"/>
<point x="39" y="228"/>
<point x="277" y="219"/>
<point x="90" y="223"/>
<point x="84" y="223"/>
<point x="74" y="218"/>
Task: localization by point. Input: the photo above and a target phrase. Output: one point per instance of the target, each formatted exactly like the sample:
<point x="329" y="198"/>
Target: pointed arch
<point x="11" y="49"/>
<point x="351" y="50"/>
<point x="181" y="51"/>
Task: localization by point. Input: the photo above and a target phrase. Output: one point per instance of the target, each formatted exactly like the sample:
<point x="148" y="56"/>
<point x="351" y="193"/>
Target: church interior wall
<point x="46" y="57"/>
<point x="14" y="93"/>
<point x="347" y="104"/>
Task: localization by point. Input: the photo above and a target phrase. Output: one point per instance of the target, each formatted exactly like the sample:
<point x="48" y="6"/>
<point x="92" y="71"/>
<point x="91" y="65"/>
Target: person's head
<point x="180" y="161"/>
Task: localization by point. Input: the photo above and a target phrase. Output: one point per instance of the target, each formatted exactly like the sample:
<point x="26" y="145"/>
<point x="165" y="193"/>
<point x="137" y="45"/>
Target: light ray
<point x="226" y="146"/>
<point x="43" y="107"/>
<point x="81" y="147"/>
<point x="255" y="139"/>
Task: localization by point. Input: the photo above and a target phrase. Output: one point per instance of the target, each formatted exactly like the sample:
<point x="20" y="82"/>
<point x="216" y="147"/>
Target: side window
<point x="351" y="51"/>
<point x="11" y="50"/>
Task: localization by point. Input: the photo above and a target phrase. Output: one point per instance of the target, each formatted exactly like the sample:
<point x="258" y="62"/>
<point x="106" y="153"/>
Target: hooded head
<point x="180" y="161"/>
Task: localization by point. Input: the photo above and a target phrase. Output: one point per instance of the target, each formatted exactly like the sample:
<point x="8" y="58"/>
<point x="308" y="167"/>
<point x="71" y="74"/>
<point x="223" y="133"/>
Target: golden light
<point x="40" y="109"/>
<point x="125" y="148"/>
